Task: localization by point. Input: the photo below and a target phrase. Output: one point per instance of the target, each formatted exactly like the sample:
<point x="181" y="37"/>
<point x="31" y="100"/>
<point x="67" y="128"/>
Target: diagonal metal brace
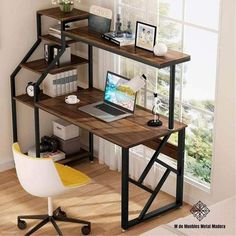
<point x="154" y="194"/>
<point x="153" y="159"/>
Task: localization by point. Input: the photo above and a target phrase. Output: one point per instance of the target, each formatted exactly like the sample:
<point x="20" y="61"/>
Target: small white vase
<point x="160" y="49"/>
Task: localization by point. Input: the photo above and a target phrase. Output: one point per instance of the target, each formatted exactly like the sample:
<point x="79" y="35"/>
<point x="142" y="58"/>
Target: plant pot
<point x="66" y="7"/>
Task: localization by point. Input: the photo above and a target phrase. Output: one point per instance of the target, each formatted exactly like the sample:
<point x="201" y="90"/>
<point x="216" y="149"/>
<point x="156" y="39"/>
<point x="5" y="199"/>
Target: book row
<point x="60" y="84"/>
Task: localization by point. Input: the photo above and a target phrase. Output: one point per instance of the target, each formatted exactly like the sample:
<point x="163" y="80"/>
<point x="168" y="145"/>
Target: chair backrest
<point x="38" y="176"/>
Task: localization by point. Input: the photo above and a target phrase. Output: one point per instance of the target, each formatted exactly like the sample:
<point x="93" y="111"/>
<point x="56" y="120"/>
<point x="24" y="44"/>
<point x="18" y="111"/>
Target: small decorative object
<point x="129" y="30"/>
<point x="160" y="49"/>
<point x="118" y="31"/>
<point x="145" y="36"/>
<point x="156" y="121"/>
<point x="30" y="89"/>
<point x="120" y="41"/>
<point x="65" y="5"/>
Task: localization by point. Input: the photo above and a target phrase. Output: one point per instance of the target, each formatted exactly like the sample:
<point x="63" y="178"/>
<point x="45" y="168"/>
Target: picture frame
<point x="145" y="36"/>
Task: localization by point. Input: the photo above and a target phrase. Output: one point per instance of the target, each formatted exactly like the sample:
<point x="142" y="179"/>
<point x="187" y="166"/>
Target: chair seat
<point x="71" y="177"/>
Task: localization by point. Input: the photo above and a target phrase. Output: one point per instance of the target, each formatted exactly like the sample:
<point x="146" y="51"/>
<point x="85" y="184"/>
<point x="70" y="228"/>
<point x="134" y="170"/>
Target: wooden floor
<point x="98" y="202"/>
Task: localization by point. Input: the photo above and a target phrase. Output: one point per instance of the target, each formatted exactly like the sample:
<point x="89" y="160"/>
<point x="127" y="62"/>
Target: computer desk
<point x="127" y="133"/>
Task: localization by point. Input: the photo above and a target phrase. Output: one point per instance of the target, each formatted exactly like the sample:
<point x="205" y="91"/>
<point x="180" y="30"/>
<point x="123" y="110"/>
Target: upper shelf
<point x="57" y="14"/>
<point x="82" y="34"/>
<point x="40" y="65"/>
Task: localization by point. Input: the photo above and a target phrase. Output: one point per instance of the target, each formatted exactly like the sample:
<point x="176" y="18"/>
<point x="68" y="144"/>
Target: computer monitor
<point x="117" y="94"/>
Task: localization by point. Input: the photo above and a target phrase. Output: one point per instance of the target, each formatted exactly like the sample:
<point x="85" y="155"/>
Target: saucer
<point x="66" y="101"/>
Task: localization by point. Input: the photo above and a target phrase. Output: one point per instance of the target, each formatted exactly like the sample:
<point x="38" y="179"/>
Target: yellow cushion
<point x="16" y="147"/>
<point x="71" y="177"/>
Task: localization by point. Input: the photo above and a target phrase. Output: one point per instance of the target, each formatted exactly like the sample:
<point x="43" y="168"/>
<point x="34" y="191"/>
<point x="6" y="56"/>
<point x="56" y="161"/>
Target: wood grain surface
<point x="126" y="133"/>
<point x="82" y="34"/>
<point x="57" y="14"/>
<point x="40" y="65"/>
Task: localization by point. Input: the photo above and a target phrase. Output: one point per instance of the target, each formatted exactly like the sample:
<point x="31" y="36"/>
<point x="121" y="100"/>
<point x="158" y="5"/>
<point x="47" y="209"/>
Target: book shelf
<point x="40" y="66"/>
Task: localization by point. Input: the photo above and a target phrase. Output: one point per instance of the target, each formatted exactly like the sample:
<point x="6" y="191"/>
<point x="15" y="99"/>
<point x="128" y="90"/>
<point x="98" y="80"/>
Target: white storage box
<point x="65" y="130"/>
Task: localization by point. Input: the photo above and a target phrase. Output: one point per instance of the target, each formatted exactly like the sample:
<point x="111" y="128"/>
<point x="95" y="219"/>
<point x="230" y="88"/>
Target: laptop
<point x="118" y="101"/>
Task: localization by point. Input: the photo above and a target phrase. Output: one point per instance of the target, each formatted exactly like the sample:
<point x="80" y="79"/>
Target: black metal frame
<point x="143" y="216"/>
<point x="40" y="80"/>
<point x="58" y="215"/>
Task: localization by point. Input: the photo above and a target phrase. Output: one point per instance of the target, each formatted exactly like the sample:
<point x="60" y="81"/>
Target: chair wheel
<point x="21" y="224"/>
<point x="86" y="230"/>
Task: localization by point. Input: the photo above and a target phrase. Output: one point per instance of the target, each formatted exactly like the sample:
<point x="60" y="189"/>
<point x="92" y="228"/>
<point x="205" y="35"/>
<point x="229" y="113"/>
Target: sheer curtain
<point x="108" y="153"/>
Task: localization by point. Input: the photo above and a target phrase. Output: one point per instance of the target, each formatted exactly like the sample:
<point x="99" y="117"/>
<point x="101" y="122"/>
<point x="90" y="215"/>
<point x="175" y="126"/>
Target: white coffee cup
<point x="71" y="99"/>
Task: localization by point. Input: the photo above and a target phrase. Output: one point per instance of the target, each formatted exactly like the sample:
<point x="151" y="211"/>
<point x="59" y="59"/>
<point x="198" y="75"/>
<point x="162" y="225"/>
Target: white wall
<point x="17" y="34"/>
<point x="224" y="165"/>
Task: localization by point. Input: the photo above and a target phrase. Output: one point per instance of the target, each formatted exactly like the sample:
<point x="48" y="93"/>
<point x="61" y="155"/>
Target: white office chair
<point x="42" y="177"/>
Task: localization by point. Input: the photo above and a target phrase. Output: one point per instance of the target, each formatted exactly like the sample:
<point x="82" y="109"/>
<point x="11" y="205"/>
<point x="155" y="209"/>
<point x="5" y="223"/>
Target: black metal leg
<point x="145" y="215"/>
<point x="33" y="217"/>
<point x="172" y="98"/>
<point x="154" y="194"/>
<point x="38" y="226"/>
<point x="56" y="226"/>
<point x="91" y="147"/>
<point x="71" y="220"/>
<point x="153" y="159"/>
<point x="90" y="66"/>
<point x="37" y="131"/>
<point x="39" y="25"/>
<point x="180" y="167"/>
<point x="14" y="120"/>
<point x="125" y="189"/>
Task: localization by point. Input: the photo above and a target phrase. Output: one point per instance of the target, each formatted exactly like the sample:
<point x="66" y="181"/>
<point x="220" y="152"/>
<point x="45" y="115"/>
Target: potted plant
<point x="65" y="5"/>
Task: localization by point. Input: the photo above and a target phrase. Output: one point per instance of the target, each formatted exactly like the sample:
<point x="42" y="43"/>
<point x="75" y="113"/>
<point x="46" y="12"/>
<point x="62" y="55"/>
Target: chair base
<point x="58" y="215"/>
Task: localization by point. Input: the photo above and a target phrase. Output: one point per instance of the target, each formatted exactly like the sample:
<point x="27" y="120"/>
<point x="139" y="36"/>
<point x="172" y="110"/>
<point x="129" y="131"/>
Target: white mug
<point x="71" y="99"/>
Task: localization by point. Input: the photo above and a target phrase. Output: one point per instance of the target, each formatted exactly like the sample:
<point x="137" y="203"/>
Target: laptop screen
<point x="117" y="94"/>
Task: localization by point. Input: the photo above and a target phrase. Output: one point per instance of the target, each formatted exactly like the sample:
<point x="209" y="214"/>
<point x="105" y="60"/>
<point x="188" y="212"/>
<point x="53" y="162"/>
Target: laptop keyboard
<point x="110" y="110"/>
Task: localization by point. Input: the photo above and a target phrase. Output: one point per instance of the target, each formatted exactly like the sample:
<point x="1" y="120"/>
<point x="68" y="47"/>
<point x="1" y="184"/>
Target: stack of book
<point x="59" y="84"/>
<point x="56" y="156"/>
<point x="120" y="41"/>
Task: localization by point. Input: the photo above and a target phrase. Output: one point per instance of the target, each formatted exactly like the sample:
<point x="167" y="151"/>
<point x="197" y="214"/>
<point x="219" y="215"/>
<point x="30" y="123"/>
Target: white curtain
<point x="110" y="154"/>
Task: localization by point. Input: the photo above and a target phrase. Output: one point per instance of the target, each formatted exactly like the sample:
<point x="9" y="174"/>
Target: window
<point x="192" y="27"/>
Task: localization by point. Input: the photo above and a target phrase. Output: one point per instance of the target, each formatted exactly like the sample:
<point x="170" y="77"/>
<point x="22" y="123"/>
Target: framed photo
<point x="145" y="36"/>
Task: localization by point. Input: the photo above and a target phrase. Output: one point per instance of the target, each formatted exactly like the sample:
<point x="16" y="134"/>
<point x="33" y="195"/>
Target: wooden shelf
<point x="82" y="34"/>
<point x="75" y="157"/>
<point x="29" y="101"/>
<point x="55" y="40"/>
<point x="57" y="14"/>
<point x="126" y="133"/>
<point x="40" y="65"/>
